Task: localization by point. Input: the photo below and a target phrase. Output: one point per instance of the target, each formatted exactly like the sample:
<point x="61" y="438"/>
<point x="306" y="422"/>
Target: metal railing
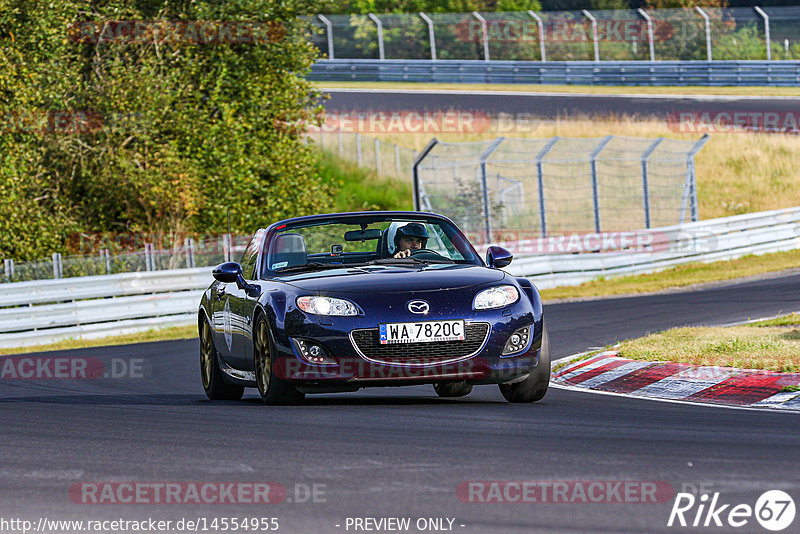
<point x="668" y="73"/>
<point x="33" y="313"/>
<point x="45" y="311"/>
<point x="646" y="251"/>
<point x="706" y="34"/>
<point x="558" y="185"/>
<point x="148" y="256"/>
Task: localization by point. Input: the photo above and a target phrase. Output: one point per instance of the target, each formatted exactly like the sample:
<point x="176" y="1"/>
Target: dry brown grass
<point x="577" y="89"/>
<point x="772" y="348"/>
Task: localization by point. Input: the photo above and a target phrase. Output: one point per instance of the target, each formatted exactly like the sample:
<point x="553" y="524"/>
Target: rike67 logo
<point x="774" y="510"/>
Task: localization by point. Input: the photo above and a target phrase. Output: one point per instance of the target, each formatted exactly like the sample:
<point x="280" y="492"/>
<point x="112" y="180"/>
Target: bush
<point x="164" y="136"/>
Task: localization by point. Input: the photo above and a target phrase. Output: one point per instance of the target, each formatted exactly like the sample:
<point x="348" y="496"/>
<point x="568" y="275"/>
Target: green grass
<point x="360" y="189"/>
<point x="773" y="348"/>
<point x="162" y="334"/>
<point x="790" y="388"/>
<point x="793" y="319"/>
<point x="593" y="89"/>
<point x="681" y="276"/>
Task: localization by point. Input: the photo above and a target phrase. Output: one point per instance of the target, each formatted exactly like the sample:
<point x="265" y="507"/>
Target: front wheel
<point x="534" y="387"/>
<point x="272" y="389"/>
<point x="213" y="384"/>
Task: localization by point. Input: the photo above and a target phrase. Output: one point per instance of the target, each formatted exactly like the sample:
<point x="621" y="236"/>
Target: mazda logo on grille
<point x="419" y="306"/>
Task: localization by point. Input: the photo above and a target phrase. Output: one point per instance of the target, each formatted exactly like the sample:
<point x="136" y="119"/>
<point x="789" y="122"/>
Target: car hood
<point x="391" y="279"/>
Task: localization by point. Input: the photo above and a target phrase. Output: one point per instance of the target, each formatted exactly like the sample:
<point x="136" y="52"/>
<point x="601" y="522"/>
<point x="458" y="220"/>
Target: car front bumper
<point x="481" y="364"/>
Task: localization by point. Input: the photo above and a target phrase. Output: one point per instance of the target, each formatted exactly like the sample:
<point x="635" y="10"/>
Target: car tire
<point x="452" y="389"/>
<point x="214" y="385"/>
<point x="272" y="389"/>
<point x="534" y="387"/>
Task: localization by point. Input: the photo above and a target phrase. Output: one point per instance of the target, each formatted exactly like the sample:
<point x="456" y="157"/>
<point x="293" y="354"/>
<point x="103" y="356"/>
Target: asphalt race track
<point x="547" y="106"/>
<point x="402" y="452"/>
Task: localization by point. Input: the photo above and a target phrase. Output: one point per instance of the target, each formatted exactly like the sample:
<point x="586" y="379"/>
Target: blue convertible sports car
<point x="332" y="303"/>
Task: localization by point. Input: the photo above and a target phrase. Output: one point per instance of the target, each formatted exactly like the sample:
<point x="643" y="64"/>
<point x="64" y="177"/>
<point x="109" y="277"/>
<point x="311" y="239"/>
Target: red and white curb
<point x="605" y="371"/>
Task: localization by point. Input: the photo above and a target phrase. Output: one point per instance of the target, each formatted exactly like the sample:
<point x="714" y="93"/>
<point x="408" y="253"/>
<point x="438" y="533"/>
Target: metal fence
<point x="654" y="250"/>
<point x="559" y="185"/>
<point x="706" y="34"/>
<point x="668" y="73"/>
<point x="148" y="256"/>
<point x="33" y="313"/>
<point x="37" y="312"/>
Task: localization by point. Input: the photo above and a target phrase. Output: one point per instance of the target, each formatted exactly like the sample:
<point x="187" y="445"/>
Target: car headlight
<point x="326" y="306"/>
<point x="495" y="297"/>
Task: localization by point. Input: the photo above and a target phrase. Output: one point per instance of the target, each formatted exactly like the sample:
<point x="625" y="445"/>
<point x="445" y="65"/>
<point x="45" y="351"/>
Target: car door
<point x="221" y="318"/>
<point x="243" y="307"/>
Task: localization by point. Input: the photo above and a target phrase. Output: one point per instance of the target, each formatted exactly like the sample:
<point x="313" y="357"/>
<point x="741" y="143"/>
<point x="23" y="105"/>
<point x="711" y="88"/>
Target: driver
<point x="408" y="238"/>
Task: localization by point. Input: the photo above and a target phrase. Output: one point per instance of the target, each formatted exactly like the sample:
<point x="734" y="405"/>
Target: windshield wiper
<point x="310" y="265"/>
<point x="315" y="265"/>
<point x="407" y="261"/>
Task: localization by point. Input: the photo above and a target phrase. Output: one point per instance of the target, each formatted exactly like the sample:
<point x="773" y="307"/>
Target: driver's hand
<point x="403" y="254"/>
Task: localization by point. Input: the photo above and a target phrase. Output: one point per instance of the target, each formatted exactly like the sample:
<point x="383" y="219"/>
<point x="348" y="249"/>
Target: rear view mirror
<point x="363" y="235"/>
<point x="228" y="272"/>
<point x="498" y="257"/>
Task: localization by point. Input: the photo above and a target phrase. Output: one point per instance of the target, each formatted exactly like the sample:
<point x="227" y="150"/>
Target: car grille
<point x="367" y="343"/>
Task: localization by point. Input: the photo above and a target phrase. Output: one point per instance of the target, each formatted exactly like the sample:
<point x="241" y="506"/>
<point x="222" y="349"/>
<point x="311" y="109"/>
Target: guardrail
<point x="702" y="241"/>
<point x="710" y="73"/>
<point x="46" y="311"/>
<point x="40" y="312"/>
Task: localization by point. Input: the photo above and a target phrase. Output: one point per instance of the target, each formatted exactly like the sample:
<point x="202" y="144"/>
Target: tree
<point x="166" y="131"/>
<point x="428" y="6"/>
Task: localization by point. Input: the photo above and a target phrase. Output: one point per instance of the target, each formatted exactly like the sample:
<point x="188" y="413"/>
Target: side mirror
<point x="498" y="257"/>
<point x="228" y="272"/>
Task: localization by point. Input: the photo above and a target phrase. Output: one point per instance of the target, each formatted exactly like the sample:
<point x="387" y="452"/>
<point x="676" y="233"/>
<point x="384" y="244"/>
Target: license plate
<point x="422" y="332"/>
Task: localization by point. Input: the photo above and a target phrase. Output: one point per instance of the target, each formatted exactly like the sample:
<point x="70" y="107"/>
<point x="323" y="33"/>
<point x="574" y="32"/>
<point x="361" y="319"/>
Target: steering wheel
<point x="427" y="251"/>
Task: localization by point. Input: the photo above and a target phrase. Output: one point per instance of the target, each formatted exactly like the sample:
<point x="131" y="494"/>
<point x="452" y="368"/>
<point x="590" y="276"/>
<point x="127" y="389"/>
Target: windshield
<point x="331" y="243"/>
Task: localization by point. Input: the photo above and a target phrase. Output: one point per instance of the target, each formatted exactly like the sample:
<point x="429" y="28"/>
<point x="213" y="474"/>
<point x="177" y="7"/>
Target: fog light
<point x="312" y="352"/>
<point x="518" y="341"/>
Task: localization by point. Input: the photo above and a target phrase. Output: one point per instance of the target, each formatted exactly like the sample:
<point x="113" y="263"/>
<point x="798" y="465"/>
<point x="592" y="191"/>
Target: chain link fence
<point x="545" y="187"/>
<point x="559" y="185"/>
<point x="739" y="33"/>
<point x="189" y="252"/>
